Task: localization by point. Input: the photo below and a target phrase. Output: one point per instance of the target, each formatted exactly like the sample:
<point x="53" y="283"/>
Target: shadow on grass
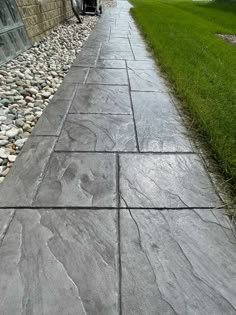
<point x="221" y="5"/>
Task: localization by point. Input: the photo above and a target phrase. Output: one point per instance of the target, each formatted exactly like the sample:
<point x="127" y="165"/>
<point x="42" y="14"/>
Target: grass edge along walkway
<point x="200" y="66"/>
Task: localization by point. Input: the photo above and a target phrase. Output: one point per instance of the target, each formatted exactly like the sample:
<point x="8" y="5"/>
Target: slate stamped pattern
<point x="57" y="107"/>
<point x="97" y="133"/>
<point x="115" y="47"/>
<point x="140" y="53"/>
<point x="165" y="181"/>
<point x="177" y="262"/>
<point x="87" y="57"/>
<point x="141" y="64"/>
<point x="116" y="51"/>
<point x="127" y="55"/>
<point x="79" y="180"/>
<point x="159" y="126"/>
<point x="75" y="76"/>
<point x="19" y="188"/>
<point x="107" y="76"/>
<point x="65" y="92"/>
<point x="132" y="229"/>
<point x="60" y="262"/>
<point x="112" y="64"/>
<point x="49" y="125"/>
<point x="103" y="99"/>
<point x="122" y="41"/>
<point x="86" y="61"/>
<point x="146" y="80"/>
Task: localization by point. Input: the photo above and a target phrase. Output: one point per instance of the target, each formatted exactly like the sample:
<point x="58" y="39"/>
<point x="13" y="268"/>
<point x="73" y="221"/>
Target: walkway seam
<point x="132" y="108"/>
<point x="53" y="148"/>
<point x="119" y="235"/>
<point x="111" y="208"/>
<point x="131" y="48"/>
<point x="119" y="265"/>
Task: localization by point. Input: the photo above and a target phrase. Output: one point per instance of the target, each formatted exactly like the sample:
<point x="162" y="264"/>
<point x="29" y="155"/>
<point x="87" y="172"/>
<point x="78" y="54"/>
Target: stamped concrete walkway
<point x="109" y="209"/>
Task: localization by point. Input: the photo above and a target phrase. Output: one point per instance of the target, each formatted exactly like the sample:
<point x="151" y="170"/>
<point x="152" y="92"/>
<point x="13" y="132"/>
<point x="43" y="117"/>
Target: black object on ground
<point x="92" y="7"/>
<point x="77" y="8"/>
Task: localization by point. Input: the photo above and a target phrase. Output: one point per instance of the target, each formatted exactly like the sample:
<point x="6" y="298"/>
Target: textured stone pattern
<point x="173" y="262"/>
<point x="108" y="209"/>
<point x="41" y="17"/>
<point x="43" y="257"/>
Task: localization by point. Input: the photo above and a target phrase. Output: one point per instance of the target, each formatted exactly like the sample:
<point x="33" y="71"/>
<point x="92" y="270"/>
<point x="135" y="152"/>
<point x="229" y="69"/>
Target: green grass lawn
<point x="201" y="66"/>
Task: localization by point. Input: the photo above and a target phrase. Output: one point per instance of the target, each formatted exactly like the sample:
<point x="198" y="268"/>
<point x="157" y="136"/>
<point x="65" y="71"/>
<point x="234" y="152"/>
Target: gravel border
<point x="28" y="82"/>
<point x="228" y="38"/>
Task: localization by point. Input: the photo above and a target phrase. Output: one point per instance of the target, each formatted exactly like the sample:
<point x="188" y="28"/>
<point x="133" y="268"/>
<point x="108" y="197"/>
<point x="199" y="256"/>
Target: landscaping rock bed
<point x="28" y="82"/>
<point x="228" y="38"/>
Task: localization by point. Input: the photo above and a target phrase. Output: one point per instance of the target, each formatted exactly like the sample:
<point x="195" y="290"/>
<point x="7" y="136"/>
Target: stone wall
<point x="41" y="16"/>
